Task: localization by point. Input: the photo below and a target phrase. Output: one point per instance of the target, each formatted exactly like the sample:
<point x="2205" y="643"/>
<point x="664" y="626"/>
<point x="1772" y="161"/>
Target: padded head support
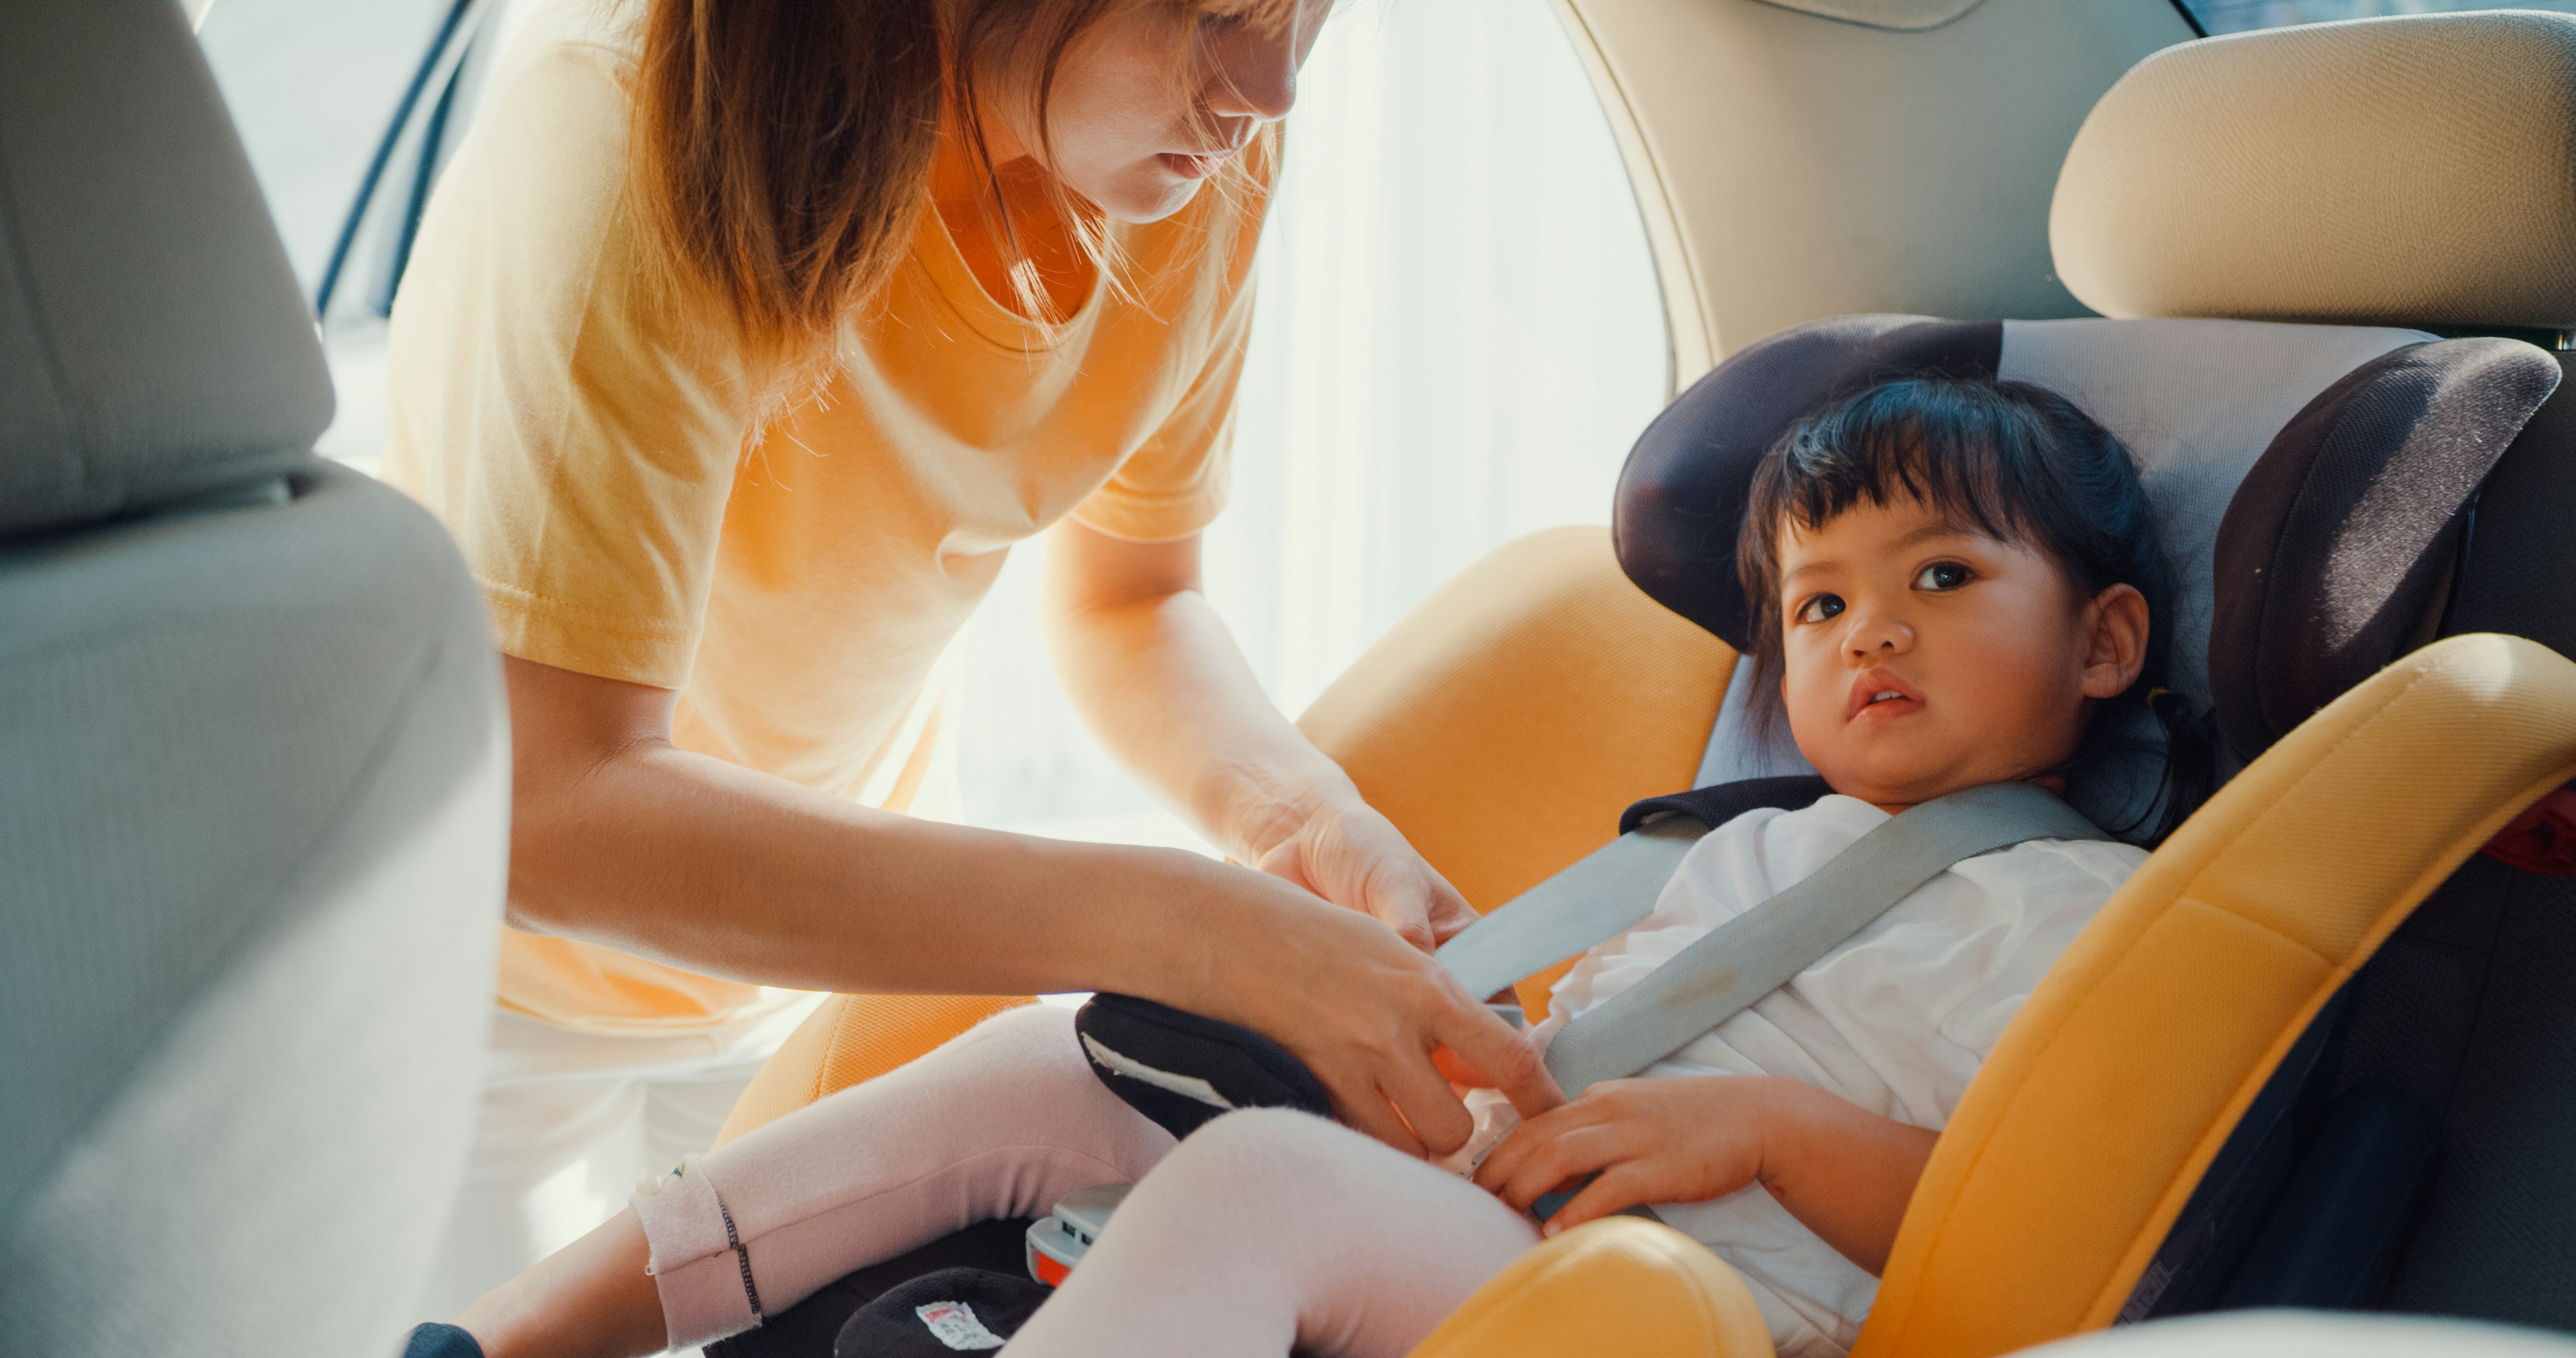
<point x="154" y="345"/>
<point x="1680" y="504"/>
<point x="2308" y="480"/>
<point x="2418" y="170"/>
<point x="2340" y="543"/>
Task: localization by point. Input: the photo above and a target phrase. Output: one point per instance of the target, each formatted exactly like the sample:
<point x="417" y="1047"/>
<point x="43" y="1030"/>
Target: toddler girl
<point x="1957" y="584"/>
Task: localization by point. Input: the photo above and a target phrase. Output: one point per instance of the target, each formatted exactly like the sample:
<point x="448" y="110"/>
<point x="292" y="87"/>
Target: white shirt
<point x="1895" y="1020"/>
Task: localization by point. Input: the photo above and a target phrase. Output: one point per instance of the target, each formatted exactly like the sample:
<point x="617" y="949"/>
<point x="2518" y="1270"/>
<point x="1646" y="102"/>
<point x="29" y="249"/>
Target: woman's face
<point x="1921" y="658"/>
<point x="1151" y="101"/>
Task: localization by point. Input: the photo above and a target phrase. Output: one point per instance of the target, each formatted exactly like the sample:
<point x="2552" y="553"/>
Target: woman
<point x="741" y="341"/>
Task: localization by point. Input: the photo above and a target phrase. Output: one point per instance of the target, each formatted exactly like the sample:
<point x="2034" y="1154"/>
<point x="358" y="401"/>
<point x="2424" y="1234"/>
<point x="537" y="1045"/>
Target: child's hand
<point x="1684" y="1140"/>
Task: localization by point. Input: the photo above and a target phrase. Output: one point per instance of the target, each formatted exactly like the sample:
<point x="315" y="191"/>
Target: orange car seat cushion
<point x="1620" y="1285"/>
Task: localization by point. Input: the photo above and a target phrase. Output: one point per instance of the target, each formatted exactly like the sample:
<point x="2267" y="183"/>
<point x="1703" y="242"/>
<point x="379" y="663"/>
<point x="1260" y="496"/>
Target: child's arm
<point x="1844" y="1172"/>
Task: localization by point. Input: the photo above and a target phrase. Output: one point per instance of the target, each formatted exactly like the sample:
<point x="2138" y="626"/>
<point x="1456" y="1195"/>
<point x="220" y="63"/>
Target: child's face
<point x="1922" y="659"/>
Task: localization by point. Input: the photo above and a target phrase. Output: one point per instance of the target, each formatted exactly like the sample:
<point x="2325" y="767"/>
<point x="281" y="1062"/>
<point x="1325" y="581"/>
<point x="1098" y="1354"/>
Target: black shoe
<point x="440" y="1341"/>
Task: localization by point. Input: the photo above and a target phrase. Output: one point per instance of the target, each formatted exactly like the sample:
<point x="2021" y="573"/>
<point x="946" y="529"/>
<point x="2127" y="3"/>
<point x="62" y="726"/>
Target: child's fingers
<point x="1555" y="1161"/>
<point x="1621" y="1186"/>
<point x="1530" y="1138"/>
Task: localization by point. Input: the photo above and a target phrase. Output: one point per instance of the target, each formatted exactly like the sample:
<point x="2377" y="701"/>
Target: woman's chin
<point x="1145" y="196"/>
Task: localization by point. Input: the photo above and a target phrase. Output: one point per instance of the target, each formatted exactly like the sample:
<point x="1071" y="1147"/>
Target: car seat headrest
<point x="154" y="344"/>
<point x="2308" y="481"/>
<point x="2415" y="170"/>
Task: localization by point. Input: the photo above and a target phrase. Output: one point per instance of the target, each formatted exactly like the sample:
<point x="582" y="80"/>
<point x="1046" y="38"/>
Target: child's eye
<point x="1941" y="575"/>
<point x="1819" y="607"/>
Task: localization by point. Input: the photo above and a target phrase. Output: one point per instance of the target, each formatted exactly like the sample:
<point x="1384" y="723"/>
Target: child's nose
<point x="1875" y="634"/>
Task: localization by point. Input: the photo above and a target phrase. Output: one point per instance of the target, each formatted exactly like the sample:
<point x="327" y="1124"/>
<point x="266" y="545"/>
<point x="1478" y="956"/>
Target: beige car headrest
<point x="2416" y="170"/>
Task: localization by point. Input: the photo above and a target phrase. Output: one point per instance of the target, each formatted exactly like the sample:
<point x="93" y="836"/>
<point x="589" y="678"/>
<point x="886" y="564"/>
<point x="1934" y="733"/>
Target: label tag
<point x="953" y="1323"/>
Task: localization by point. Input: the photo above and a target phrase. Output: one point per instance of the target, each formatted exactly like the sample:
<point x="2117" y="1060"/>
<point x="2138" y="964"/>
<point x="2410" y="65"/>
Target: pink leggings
<point x="1267" y="1231"/>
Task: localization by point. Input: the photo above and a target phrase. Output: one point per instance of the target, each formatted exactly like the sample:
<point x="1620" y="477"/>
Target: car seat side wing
<point x="2087" y="1128"/>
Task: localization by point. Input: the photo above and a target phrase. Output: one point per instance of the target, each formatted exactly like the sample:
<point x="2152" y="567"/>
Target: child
<point x="1957" y="584"/>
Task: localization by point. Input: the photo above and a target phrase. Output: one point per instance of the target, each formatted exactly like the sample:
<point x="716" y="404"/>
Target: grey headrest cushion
<point x="154" y="344"/>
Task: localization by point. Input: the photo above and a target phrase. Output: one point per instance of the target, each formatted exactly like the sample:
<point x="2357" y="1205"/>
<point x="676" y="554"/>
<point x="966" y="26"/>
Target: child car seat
<point x="2322" y="489"/>
<point x="2197" y="1111"/>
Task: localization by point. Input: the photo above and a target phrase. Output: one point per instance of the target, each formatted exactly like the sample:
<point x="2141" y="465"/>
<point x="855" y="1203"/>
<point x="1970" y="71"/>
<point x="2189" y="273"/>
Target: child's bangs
<point x="1950" y="456"/>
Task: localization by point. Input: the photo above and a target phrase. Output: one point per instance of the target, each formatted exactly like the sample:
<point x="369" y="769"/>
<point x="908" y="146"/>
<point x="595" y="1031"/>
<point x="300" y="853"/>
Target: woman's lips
<point x="1191" y="167"/>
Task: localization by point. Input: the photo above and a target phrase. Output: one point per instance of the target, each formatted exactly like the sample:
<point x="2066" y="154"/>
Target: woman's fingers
<point x="1478" y="1037"/>
<point x="1352" y="856"/>
<point x="1359" y="1102"/>
<point x="1450" y="913"/>
<point x="1365" y="1013"/>
<point x="1424" y="1096"/>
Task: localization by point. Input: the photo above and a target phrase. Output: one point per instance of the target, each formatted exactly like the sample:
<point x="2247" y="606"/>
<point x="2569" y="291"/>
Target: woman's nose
<point x="1256" y="67"/>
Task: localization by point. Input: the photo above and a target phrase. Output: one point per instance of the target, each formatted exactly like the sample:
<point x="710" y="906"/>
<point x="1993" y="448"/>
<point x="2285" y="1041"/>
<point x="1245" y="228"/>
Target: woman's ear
<point x="2117" y="650"/>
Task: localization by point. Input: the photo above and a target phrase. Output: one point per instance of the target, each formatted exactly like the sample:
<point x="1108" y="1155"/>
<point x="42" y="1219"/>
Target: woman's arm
<point x="1844" y="1172"/>
<point x="1154" y="671"/>
<point x="619" y="837"/>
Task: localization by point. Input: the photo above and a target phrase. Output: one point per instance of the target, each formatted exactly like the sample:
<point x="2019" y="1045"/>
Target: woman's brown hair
<point x="782" y="148"/>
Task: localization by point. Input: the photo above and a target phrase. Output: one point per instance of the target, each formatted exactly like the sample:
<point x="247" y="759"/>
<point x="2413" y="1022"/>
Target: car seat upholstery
<point x="253" y="781"/>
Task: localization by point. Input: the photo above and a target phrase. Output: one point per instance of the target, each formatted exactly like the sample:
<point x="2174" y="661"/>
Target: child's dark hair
<point x="2021" y="464"/>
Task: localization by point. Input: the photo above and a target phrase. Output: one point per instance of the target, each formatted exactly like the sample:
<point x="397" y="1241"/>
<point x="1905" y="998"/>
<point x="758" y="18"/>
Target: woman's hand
<point x="1150" y="666"/>
<point x="1365" y="1013"/>
<point x="1347" y="853"/>
<point x="1684" y="1140"/>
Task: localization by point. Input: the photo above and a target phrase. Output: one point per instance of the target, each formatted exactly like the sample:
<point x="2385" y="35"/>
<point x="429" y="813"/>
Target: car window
<point x="2238" y="16"/>
<point x="311" y="85"/>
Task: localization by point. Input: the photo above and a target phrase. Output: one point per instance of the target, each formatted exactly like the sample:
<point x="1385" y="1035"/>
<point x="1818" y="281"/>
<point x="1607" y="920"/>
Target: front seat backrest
<point x="253" y="774"/>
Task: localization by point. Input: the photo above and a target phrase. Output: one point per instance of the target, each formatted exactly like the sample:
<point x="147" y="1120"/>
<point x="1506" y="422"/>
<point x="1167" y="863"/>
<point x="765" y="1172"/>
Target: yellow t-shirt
<point x="593" y="455"/>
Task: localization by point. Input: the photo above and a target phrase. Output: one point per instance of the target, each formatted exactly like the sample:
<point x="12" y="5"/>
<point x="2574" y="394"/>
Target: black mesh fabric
<point x="2341" y="539"/>
<point x="1680" y="504"/>
<point x="2496" y="1234"/>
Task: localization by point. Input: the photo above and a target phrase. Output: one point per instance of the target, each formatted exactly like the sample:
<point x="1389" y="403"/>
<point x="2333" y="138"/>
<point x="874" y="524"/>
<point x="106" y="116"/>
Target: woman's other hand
<point x="1844" y="1172"/>
<point x="1347" y="853"/>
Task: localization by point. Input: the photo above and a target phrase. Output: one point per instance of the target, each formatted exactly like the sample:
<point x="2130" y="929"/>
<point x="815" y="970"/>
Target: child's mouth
<point x="1881" y="696"/>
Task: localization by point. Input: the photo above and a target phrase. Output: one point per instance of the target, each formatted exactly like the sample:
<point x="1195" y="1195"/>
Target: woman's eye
<point x="1941" y="575"/>
<point x="1820" y="607"/>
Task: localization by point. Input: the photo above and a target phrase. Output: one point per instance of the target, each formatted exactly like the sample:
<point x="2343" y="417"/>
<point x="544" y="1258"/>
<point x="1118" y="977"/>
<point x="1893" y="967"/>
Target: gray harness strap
<point x="1757" y="952"/>
<point x="1593" y="898"/>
